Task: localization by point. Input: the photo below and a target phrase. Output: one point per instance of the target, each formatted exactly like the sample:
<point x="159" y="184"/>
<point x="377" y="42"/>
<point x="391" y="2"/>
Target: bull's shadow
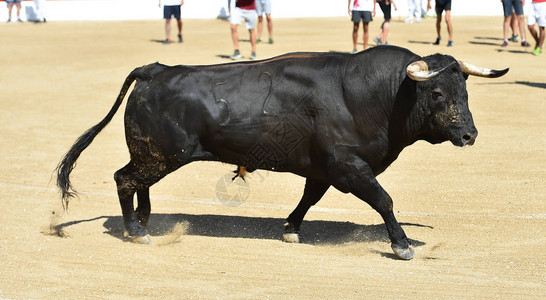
<point x="313" y="232"/>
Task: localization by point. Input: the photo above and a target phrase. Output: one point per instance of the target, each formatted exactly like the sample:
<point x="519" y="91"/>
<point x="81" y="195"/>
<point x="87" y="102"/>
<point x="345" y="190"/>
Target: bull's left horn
<point x="482" y="72"/>
<point x="419" y="71"/>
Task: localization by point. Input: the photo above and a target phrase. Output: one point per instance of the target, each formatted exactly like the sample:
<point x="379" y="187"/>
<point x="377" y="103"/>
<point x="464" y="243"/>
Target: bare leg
<point x="541" y="37"/>
<point x="260" y="26"/>
<point x="269" y="26"/>
<point x="534" y="33"/>
<point x="10" y="8"/>
<point x="366" y="35"/>
<point x="179" y="21"/>
<point x="386" y="26"/>
<point x="252" y="33"/>
<point x="18" y="5"/>
<point x="355" y="33"/>
<point x="506" y="26"/>
<point x="449" y="25"/>
<point x="168" y="30"/>
<point x="514" y="24"/>
<point x="439" y="25"/>
<point x="521" y="23"/>
<point x="235" y="36"/>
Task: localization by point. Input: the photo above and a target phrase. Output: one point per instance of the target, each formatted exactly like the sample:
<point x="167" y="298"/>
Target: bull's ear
<point x="419" y="71"/>
<point x="481" y="72"/>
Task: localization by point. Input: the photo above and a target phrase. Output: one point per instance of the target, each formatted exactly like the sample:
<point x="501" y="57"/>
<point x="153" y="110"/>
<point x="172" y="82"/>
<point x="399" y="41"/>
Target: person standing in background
<point x="362" y="10"/>
<point x="264" y="6"/>
<point x="385" y="5"/>
<point x="442" y="5"/>
<point x="537" y="16"/>
<point x="171" y="8"/>
<point x="39" y="10"/>
<point x="10" y="7"/>
<point x="415" y="8"/>
<point x="244" y="9"/>
<point x="517" y="6"/>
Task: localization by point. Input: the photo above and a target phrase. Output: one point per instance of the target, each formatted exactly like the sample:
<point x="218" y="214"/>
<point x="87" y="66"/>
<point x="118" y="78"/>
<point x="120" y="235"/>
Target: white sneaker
<point x="236" y="55"/>
<point x="409" y="20"/>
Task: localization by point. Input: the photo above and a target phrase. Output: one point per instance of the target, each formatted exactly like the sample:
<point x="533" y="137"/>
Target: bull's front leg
<point x="363" y="184"/>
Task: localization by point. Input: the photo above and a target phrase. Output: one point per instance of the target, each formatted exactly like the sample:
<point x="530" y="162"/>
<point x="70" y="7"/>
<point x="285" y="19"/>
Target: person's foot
<point x="236" y="55"/>
<point x="537" y="51"/>
<point x="377" y="40"/>
<point x="514" y="38"/>
<point x="354" y="51"/>
<point x="253" y="55"/>
<point x="437" y="41"/>
<point x="259" y="40"/>
<point x="167" y="41"/>
<point x="525" y="44"/>
<point x="180" y="40"/>
<point x="409" y="20"/>
<point x="450" y="44"/>
<point x="504" y="44"/>
<point x="9" y="20"/>
<point x="19" y="20"/>
<point x="271" y="40"/>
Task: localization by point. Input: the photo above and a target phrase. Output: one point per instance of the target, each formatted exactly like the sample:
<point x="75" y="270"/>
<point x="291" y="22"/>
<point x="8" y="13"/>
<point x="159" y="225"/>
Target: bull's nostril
<point x="468" y="139"/>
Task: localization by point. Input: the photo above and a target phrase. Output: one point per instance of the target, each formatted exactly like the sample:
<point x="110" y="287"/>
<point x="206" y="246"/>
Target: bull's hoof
<point x="291" y="237"/>
<point x="291" y="233"/>
<point x="403" y="253"/>
<point x="145" y="239"/>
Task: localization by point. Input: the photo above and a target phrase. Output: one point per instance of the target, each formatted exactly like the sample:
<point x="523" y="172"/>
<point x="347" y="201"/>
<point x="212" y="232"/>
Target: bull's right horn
<point x="481" y="72"/>
<point x="419" y="71"/>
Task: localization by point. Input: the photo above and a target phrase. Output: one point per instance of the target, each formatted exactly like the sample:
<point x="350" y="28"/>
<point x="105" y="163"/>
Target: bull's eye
<point x="436" y="95"/>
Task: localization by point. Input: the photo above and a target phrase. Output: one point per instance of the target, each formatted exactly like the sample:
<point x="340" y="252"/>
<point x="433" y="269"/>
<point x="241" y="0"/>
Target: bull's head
<point x="443" y="90"/>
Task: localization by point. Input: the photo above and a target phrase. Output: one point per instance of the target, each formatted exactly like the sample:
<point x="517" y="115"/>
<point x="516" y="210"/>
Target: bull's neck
<point x="406" y="120"/>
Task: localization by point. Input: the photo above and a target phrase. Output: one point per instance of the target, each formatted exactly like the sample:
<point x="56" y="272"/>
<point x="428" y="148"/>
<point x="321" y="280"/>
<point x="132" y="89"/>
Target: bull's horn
<point x="418" y="71"/>
<point x="482" y="72"/>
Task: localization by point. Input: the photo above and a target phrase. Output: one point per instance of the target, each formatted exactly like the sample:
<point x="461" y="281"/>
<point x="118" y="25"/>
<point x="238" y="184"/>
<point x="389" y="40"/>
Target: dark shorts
<point x="386" y="9"/>
<point x="365" y="16"/>
<point x="170" y="11"/>
<point x="515" y="4"/>
<point x="442" y="5"/>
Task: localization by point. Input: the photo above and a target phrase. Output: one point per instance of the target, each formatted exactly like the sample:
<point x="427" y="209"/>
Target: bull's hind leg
<point x="313" y="192"/>
<point x="144" y="208"/>
<point x="131" y="179"/>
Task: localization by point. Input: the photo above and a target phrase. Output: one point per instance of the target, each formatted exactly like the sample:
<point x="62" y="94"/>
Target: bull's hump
<point x="280" y="58"/>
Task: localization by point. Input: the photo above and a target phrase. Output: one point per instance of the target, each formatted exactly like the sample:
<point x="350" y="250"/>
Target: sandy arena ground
<point x="477" y="215"/>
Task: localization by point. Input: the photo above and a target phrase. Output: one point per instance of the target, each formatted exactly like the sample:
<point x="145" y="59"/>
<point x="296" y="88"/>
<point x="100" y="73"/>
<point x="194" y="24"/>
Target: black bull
<point x="336" y="119"/>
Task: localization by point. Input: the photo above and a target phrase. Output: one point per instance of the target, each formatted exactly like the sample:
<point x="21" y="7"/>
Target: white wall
<point x="198" y="9"/>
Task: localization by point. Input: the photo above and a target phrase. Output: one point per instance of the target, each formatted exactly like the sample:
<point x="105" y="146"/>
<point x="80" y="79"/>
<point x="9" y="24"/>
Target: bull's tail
<point x="68" y="163"/>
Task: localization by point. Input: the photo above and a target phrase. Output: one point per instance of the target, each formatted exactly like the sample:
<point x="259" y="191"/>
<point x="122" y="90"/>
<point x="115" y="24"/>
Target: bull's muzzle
<point x="466" y="138"/>
<point x="469" y="139"/>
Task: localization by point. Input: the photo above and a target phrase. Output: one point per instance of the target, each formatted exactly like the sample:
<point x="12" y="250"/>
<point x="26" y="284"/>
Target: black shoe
<point x="437" y="41"/>
<point x="450" y="44"/>
<point x="180" y="38"/>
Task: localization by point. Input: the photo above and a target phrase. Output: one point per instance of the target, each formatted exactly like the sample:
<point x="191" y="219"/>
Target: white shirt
<point x="171" y="2"/>
<point x="363" y="5"/>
